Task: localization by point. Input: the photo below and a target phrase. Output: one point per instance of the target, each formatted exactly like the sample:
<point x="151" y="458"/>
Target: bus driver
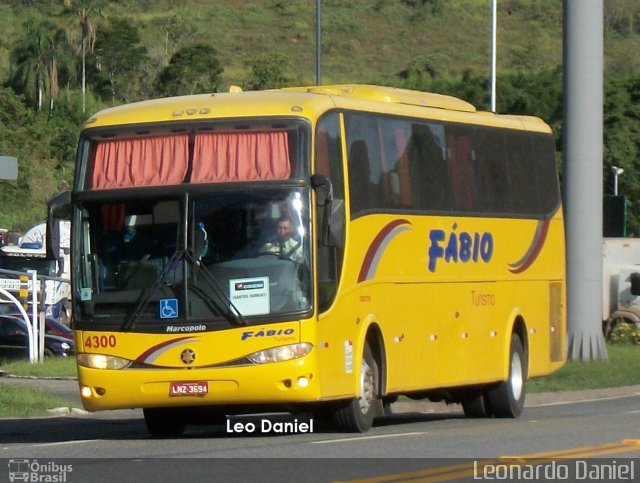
<point x="285" y="246"/>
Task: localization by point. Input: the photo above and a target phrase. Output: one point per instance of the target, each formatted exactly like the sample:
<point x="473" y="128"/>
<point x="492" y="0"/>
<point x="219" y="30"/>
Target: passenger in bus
<point x="286" y="245"/>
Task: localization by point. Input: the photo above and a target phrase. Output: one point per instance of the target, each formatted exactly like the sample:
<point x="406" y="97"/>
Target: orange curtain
<point x="112" y="217"/>
<point x="223" y="157"/>
<point x="153" y="161"/>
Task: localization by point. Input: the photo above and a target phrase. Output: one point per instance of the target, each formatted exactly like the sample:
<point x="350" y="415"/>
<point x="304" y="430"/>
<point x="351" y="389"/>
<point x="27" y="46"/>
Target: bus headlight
<point x="282" y="353"/>
<point x="100" y="361"/>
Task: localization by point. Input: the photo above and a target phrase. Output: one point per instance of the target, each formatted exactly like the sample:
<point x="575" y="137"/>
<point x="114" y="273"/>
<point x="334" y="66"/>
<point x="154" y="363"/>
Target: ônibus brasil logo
<point x="34" y="470"/>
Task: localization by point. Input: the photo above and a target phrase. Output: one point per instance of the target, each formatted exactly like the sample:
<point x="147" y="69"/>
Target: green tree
<point x="422" y="76"/>
<point x="192" y="70"/>
<point x="622" y="143"/>
<point x="31" y="137"/>
<point x="38" y="59"/>
<point x="537" y="93"/>
<point x="267" y="72"/>
<point x="85" y="10"/>
<point x="176" y="29"/>
<point x="118" y="62"/>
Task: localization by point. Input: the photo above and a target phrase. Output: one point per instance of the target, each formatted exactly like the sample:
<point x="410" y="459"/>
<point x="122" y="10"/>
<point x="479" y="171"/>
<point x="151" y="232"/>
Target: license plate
<point x="188" y="388"/>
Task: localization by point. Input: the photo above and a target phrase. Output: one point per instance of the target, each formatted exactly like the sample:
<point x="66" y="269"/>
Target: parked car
<point x="51" y="326"/>
<point x="14" y="340"/>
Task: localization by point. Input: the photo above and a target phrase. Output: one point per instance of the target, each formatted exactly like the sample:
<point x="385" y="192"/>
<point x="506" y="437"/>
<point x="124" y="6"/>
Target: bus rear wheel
<point x="357" y="415"/>
<point x="164" y="422"/>
<point x="506" y="400"/>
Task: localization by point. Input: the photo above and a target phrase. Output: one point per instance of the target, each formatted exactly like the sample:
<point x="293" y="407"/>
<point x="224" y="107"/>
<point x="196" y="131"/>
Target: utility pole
<point x="582" y="150"/>
<point x="494" y="28"/>
<point x="318" y="42"/>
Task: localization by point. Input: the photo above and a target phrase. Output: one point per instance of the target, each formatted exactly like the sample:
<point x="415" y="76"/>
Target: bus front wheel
<point x="357" y="415"/>
<point x="476" y="406"/>
<point x="506" y="400"/>
<point x="164" y="422"/>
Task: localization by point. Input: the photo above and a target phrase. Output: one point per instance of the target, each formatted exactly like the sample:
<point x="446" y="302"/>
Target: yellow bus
<point x="321" y="249"/>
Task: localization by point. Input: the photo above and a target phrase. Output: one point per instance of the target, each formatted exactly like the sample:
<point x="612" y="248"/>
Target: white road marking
<point x="562" y="403"/>
<point x="62" y="443"/>
<point x="362" y="438"/>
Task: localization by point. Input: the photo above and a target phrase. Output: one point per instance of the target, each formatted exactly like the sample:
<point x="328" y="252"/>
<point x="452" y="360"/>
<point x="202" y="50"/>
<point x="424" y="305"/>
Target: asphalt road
<point x="419" y="442"/>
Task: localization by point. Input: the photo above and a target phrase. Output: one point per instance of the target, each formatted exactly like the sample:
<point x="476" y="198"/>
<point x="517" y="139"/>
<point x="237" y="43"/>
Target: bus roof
<point x="389" y="94"/>
<point x="310" y="102"/>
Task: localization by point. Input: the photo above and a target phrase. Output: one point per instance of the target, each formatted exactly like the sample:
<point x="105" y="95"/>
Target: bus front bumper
<point x="278" y="383"/>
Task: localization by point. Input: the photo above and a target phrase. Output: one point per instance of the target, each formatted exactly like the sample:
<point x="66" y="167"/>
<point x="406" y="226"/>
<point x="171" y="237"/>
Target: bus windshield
<point x="221" y="257"/>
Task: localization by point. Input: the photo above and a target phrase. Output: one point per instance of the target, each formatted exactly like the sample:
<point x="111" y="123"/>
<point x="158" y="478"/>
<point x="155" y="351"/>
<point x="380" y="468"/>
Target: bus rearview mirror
<point x="323" y="188"/>
<point x="52" y="235"/>
<point x="334" y="223"/>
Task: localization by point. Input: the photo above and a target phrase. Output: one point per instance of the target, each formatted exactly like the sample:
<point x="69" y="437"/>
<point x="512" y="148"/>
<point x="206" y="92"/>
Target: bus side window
<point x="546" y="175"/>
<point x="403" y="191"/>
<point x="328" y="162"/>
<point x="396" y="188"/>
<point x="493" y="183"/>
<point x="429" y="175"/>
<point x="461" y="169"/>
<point x="522" y="177"/>
<point x="359" y="177"/>
<point x="365" y="164"/>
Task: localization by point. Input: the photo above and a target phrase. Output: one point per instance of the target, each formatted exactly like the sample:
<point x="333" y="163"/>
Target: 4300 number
<point x="99" y="341"/>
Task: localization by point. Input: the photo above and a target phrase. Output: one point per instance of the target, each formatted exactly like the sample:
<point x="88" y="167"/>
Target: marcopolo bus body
<point x="322" y="249"/>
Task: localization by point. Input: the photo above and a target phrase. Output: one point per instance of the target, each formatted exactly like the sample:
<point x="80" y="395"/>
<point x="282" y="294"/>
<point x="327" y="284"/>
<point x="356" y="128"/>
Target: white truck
<point x="621" y="277"/>
<point x="30" y="254"/>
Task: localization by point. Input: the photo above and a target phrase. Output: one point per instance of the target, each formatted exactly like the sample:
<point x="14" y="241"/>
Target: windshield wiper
<point x="227" y="307"/>
<point x="233" y="314"/>
<point x="146" y="295"/>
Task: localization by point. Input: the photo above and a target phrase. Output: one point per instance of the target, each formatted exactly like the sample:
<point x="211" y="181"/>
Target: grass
<point x="21" y="402"/>
<point x="362" y="39"/>
<point x="51" y="367"/>
<point x="622" y="369"/>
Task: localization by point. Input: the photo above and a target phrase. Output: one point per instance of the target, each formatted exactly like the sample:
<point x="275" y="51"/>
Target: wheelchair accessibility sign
<point x="168" y="308"/>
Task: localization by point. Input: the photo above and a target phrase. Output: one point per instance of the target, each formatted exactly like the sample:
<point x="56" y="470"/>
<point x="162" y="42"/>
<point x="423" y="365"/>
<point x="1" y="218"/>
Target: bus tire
<point x="476" y="406"/>
<point x="506" y="400"/>
<point x="357" y="415"/>
<point x="164" y="422"/>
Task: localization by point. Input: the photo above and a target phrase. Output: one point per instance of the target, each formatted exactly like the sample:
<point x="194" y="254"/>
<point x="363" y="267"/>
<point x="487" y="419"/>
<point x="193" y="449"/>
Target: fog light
<point x="86" y="391"/>
<point x="303" y="382"/>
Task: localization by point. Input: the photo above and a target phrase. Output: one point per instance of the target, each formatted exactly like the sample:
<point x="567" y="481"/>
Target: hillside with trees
<point x="62" y="60"/>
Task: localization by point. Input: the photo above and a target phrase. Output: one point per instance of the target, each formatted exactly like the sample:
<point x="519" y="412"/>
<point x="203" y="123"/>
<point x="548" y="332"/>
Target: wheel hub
<point x="367" y="387"/>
